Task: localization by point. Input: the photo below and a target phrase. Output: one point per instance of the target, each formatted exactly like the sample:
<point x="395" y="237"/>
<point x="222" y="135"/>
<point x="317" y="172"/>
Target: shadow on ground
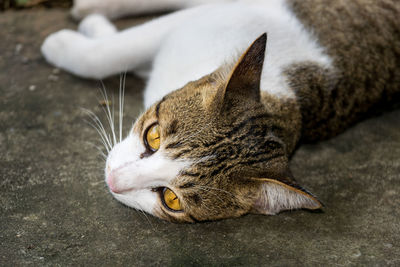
<point x="56" y="210"/>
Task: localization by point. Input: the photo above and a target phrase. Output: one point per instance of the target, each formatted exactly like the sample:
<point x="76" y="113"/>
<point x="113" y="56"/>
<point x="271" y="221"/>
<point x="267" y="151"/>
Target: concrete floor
<point x="55" y="209"/>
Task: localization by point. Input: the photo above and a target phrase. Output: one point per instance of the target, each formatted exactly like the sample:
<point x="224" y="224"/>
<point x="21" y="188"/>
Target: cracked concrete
<point x="55" y="209"/>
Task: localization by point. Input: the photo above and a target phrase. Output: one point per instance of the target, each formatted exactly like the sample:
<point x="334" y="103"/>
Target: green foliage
<point x="12" y="4"/>
<point x="22" y="2"/>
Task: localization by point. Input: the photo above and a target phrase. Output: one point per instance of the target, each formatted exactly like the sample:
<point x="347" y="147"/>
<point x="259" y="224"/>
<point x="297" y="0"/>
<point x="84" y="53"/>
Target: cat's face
<point x="204" y="152"/>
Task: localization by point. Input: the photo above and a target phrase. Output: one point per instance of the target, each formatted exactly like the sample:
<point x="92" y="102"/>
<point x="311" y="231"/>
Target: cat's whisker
<point x="144" y="213"/>
<point x="108" y="113"/>
<point x="101" y="154"/>
<point x="103" y="141"/>
<point x="202" y="202"/>
<point x="100" y="151"/>
<point x="101" y="131"/>
<point x="121" y="103"/>
<point x="98" y="126"/>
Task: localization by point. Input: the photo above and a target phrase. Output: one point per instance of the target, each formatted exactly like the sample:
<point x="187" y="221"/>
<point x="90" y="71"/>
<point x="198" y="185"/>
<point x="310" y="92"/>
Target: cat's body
<point x="327" y="64"/>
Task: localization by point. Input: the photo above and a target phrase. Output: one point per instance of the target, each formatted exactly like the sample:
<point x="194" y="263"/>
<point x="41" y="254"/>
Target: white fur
<point x="131" y="179"/>
<point x="131" y="49"/>
<point x="96" y="26"/>
<point x="189" y="44"/>
<point x="220" y="32"/>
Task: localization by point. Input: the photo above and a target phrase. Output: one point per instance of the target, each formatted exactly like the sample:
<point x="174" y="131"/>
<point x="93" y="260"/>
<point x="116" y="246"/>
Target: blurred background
<point x="19" y="4"/>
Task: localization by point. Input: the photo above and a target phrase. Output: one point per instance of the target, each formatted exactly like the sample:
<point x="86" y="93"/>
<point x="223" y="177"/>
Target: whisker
<point x="98" y="126"/>
<point x="102" y="155"/>
<point x="121" y="103"/>
<point x="107" y="111"/>
<point x="145" y="215"/>
<point x="103" y="141"/>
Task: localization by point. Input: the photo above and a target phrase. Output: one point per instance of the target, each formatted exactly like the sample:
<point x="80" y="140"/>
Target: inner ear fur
<point x="274" y="189"/>
<point x="275" y="196"/>
<point x="244" y="81"/>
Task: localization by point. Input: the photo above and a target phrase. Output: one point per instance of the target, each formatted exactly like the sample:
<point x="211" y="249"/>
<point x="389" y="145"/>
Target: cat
<point x="233" y="88"/>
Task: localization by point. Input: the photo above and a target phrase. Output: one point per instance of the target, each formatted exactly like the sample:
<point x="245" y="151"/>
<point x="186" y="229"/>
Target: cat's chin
<point x="140" y="199"/>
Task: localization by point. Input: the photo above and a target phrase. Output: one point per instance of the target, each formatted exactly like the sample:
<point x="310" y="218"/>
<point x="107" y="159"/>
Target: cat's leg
<point x="96" y="26"/>
<point x="119" y="8"/>
<point x="130" y="49"/>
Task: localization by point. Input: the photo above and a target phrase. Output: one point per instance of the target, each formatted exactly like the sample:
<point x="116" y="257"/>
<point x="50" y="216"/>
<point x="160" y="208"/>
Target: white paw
<point x="67" y="49"/>
<point x="95" y="26"/>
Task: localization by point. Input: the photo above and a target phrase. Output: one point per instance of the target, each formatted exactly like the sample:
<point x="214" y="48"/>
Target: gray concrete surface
<point x="55" y="209"/>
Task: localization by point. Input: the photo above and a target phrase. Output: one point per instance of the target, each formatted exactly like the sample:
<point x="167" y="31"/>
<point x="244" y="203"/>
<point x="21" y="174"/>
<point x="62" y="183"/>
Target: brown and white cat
<point x="216" y="137"/>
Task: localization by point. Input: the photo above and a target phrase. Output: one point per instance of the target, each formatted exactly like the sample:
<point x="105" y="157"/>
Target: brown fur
<point x="241" y="139"/>
<point x="363" y="38"/>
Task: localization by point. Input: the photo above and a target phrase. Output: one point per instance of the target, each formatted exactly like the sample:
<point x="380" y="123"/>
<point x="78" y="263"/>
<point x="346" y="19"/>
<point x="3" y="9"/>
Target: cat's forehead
<point x="184" y="106"/>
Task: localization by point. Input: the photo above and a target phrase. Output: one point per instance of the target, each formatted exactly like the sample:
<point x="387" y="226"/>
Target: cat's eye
<point x="152" y="137"/>
<point x="171" y="200"/>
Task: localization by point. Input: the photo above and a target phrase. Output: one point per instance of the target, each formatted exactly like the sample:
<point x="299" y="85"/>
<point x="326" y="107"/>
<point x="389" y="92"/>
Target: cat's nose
<point x="110" y="181"/>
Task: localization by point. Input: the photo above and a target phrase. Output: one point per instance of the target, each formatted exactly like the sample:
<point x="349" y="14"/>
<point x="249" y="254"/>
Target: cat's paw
<point x="95" y="26"/>
<point x="67" y="49"/>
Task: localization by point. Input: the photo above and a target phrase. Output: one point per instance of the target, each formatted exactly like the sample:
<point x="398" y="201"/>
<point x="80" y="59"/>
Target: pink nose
<point x="110" y="180"/>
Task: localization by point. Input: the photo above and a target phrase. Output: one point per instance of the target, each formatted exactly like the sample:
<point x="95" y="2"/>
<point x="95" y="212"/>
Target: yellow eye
<point x="171" y="200"/>
<point x="153" y="137"/>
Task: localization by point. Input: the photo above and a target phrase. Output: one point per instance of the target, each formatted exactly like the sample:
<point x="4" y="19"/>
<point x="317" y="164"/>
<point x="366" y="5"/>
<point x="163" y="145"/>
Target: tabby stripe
<point x="214" y="142"/>
<point x="186" y="173"/>
<point x="263" y="159"/>
<point x="158" y="107"/>
<point x="237" y="128"/>
<point x="221" y="169"/>
<point x="174" y="145"/>
<point x="196" y="198"/>
<point x="181" y="153"/>
<point x="187" y="185"/>
<point x="172" y="128"/>
<point x="218" y="170"/>
<point x="245" y="122"/>
<point x="193" y="218"/>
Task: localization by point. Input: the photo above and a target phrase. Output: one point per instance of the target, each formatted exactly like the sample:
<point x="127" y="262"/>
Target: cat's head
<point x="207" y="151"/>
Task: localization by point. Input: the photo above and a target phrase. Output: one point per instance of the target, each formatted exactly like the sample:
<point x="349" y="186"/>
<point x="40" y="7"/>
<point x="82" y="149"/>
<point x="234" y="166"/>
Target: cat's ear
<point x="244" y="81"/>
<point x="277" y="194"/>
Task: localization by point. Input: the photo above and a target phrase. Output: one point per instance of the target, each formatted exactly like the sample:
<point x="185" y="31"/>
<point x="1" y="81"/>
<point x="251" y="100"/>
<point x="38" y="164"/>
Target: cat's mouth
<point x="121" y="191"/>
